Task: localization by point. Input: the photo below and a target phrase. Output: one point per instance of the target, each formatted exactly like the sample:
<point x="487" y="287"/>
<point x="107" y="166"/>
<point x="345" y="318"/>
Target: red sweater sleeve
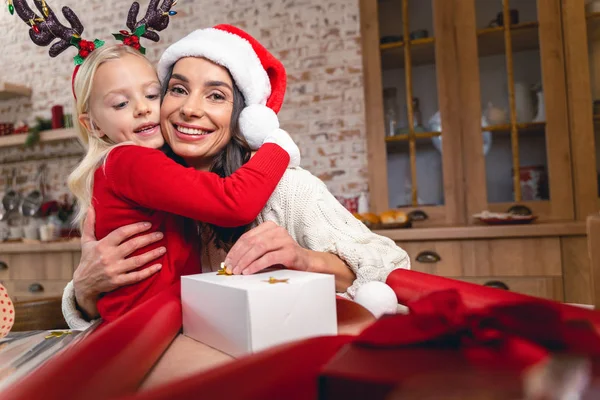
<point x="149" y="178"/>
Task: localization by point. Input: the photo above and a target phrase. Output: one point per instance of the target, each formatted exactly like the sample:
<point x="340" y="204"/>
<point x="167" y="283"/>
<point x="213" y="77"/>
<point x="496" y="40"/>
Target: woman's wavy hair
<point x="235" y="154"/>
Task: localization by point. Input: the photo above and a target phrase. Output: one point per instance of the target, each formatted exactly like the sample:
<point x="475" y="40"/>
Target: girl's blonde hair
<point x="81" y="180"/>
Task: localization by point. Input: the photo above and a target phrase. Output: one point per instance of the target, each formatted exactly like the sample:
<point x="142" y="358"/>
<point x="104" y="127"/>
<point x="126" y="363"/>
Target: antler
<point x="156" y="18"/>
<point x="44" y="30"/>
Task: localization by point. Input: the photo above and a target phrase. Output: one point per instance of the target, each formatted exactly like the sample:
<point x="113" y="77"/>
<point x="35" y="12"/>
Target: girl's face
<point x="124" y="103"/>
<point x="196" y="110"/>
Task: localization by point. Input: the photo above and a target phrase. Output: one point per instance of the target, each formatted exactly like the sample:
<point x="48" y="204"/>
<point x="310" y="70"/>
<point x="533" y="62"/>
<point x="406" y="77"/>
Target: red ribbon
<point x="514" y="335"/>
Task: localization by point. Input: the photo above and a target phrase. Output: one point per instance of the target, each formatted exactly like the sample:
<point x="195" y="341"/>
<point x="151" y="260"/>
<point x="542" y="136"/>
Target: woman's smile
<point x="191" y="132"/>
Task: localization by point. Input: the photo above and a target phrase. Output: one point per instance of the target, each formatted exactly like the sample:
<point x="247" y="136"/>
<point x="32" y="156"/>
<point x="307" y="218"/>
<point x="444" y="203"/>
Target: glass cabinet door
<point x="516" y="135"/>
<point x="581" y="25"/>
<point x="419" y="128"/>
<point x="593" y="36"/>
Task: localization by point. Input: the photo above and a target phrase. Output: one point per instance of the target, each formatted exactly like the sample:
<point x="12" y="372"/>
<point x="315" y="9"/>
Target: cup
<point x="15" y="232"/>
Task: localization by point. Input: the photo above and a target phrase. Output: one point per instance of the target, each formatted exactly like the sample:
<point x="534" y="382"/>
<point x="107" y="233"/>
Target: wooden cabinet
<point x="545" y="287"/>
<point x="406" y="83"/>
<point x="30" y="271"/>
<point x="528" y="265"/>
<point x="581" y="27"/>
<point x="530" y="159"/>
<point x="476" y="105"/>
<point x="465" y="113"/>
<point x="548" y="260"/>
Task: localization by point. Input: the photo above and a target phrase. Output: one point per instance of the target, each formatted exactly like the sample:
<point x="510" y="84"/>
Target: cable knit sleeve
<point x="69" y="309"/>
<point x="317" y="221"/>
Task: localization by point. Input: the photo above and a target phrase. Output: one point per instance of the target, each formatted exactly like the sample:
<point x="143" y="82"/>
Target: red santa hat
<point x="256" y="72"/>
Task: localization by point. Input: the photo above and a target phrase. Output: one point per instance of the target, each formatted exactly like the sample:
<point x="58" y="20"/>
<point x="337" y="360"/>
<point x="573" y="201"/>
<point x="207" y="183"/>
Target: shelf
<point x="525" y="128"/>
<point x="524" y="37"/>
<point x="399" y="143"/>
<point x="45" y="137"/>
<point x="36" y="246"/>
<point x="419" y="136"/>
<point x="10" y="91"/>
<point x="422" y="52"/>
<point x="593" y="19"/>
<point x="490" y="42"/>
<point x="541" y="229"/>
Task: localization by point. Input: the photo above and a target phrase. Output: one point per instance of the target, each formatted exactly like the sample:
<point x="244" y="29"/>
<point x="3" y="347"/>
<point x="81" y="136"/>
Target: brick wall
<point x="317" y="40"/>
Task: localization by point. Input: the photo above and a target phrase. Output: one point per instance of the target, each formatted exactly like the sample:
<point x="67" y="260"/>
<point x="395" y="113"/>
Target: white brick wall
<point x="317" y="40"/>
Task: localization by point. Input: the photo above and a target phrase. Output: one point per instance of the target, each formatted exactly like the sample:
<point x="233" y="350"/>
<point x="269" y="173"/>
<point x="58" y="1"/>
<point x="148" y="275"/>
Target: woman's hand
<point x="264" y="246"/>
<point x="103" y="266"/>
<point x="270" y="244"/>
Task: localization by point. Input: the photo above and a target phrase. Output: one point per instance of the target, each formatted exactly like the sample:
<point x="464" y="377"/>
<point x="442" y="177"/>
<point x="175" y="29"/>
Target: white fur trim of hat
<point x="228" y="50"/>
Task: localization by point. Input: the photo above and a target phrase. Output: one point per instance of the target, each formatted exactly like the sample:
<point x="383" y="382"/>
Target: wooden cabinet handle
<point x="428" y="257"/>
<point x="3" y="266"/>
<point x="36" y="288"/>
<point x="417" y="215"/>
<point x="497" y="285"/>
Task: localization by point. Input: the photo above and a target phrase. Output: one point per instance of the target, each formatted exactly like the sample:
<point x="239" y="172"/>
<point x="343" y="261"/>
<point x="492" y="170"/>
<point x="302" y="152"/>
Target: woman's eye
<point x="216" y="96"/>
<point x="177" y="90"/>
<point x="120" y="105"/>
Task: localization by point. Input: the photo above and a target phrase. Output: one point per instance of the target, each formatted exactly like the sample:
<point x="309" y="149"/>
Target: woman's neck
<point x="199" y="164"/>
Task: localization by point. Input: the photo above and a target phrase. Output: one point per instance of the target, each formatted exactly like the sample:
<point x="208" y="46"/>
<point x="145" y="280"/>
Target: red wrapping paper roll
<point x="112" y="361"/>
<point x="287" y="371"/>
<point x="412" y="285"/>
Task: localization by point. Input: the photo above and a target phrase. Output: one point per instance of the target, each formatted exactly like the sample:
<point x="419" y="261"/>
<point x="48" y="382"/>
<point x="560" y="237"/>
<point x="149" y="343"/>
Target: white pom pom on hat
<point x="256" y="72"/>
<point x="377" y="297"/>
<point x="254" y="121"/>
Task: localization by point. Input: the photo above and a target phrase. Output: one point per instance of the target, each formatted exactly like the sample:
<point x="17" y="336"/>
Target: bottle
<point x="363" y="203"/>
<point x="390" y="106"/>
<point x="417" y="116"/>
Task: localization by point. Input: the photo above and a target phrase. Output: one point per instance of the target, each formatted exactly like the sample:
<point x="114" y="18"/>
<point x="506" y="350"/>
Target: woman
<point x="302" y="226"/>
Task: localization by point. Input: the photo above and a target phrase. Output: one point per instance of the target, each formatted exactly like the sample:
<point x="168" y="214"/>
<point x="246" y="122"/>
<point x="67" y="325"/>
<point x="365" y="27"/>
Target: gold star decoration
<point x="224" y="270"/>
<point x="58" y="334"/>
<point x="272" y="280"/>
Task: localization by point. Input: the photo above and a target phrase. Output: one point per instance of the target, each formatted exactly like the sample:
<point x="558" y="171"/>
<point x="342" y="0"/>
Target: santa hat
<point x="256" y="72"/>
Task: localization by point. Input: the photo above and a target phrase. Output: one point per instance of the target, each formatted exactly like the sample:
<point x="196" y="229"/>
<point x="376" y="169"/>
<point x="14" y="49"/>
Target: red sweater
<point x="139" y="184"/>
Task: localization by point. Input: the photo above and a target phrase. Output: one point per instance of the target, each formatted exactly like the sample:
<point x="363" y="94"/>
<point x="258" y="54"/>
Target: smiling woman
<point x="200" y="110"/>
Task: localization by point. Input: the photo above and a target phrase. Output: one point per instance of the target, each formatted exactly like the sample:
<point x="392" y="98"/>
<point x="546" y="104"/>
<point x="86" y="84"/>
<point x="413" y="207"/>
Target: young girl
<point x="128" y="180"/>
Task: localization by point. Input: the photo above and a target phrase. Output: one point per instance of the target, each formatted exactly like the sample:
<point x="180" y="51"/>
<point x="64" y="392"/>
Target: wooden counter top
<point x="568" y="228"/>
<point x="36" y="246"/>
<point x="544" y="229"/>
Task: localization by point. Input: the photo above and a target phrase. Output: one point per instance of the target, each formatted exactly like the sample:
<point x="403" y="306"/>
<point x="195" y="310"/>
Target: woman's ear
<point x="86" y="121"/>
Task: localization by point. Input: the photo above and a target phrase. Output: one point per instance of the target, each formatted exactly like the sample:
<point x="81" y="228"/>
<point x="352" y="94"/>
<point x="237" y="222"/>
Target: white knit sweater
<point x="317" y="221"/>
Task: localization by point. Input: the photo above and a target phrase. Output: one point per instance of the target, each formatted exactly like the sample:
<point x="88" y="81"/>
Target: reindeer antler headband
<point x="46" y="28"/>
<point x="156" y="19"/>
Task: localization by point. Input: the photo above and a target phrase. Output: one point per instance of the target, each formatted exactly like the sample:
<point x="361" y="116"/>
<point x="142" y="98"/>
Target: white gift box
<point x="242" y="314"/>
